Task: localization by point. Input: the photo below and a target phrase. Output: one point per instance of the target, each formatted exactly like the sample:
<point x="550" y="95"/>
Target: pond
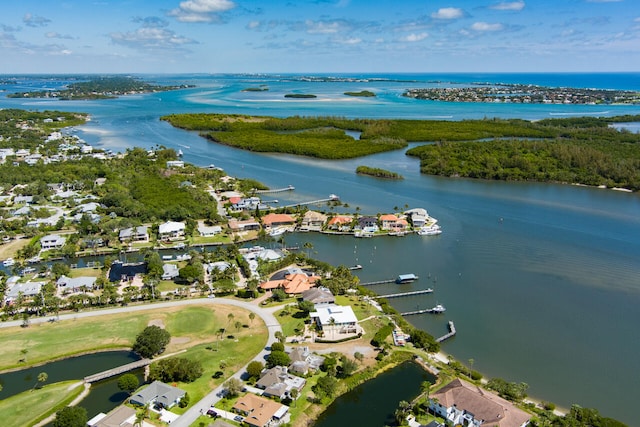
<point x="374" y="402"/>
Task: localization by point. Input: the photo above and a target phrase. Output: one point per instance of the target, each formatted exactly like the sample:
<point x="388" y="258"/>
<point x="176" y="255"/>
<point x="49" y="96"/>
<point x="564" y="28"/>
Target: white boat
<point x="277" y="232"/>
<point x="180" y="153"/>
<point x="430" y="231"/>
<point x="438" y="309"/>
<point x="360" y="234"/>
<point x="8" y="262"/>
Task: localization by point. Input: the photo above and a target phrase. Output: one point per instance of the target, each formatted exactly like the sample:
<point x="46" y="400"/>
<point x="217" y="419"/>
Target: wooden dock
<point x="117" y="370"/>
<point x="452" y="332"/>
<point x="433" y="310"/>
<point x="379" y="282"/>
<point x="331" y="198"/>
<point x="277" y="190"/>
<point x="405" y="294"/>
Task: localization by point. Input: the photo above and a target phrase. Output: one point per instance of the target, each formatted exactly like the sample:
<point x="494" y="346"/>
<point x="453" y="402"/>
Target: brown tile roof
<point x="494" y="410"/>
<point x="273" y="218"/>
<point x="259" y="410"/>
<point x="292" y="283"/>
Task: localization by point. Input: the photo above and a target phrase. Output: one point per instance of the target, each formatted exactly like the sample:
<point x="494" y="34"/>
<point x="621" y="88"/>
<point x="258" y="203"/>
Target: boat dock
<point x="276" y="190"/>
<point x="405" y="294"/>
<point x="452" y="332"/>
<point x="434" y="310"/>
<point x="331" y="198"/>
<point x="117" y="370"/>
<point x="379" y="282"/>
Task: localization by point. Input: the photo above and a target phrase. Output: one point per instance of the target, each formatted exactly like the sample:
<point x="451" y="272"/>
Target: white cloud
<point x="54" y="35"/>
<point x="516" y="5"/>
<point x="448" y="13"/>
<point x="325" y="27"/>
<point x="253" y="25"/>
<point x="349" y="41"/>
<point x="485" y="27"/>
<point x="416" y="37"/>
<point x="151" y="38"/>
<point x="201" y="10"/>
<point x="35" y="20"/>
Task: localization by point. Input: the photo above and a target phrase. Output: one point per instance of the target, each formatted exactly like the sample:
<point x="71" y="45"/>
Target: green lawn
<point x="290" y="318"/>
<point x="91" y="272"/>
<point x="27" y="408"/>
<point x="42" y="341"/>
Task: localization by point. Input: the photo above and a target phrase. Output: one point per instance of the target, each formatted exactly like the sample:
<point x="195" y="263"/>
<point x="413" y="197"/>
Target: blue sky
<point x="318" y="36"/>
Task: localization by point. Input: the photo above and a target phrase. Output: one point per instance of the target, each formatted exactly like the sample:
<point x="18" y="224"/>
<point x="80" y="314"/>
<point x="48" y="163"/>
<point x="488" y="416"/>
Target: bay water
<point x="541" y="280"/>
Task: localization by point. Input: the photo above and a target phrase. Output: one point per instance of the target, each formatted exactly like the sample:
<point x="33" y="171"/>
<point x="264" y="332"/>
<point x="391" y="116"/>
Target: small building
<point x="122" y="416"/>
<point x="158" y="393"/>
<point x="463" y="403"/>
<point x="28" y="290"/>
<point x="175" y="164"/>
<point x="171" y="230"/>
<point x="258" y="411"/>
<point x="278" y="382"/>
<point x="340" y="318"/>
<point x="134" y="234"/>
<point x="303" y="361"/>
<point x="52" y="241"/>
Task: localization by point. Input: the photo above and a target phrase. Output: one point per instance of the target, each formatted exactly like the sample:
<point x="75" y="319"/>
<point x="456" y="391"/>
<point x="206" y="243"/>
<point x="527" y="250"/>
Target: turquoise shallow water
<point x="548" y="295"/>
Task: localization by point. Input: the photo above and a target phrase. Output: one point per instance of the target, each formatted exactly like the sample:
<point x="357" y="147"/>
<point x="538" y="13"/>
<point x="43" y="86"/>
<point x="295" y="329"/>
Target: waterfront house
<point x="175" y="164"/>
<point x="171" y="230"/>
<point x="332" y="318"/>
<point x="303" y="361"/>
<point x="244" y="225"/>
<point x="292" y="284"/>
<point x="340" y="223"/>
<point x="259" y="411"/>
<point x="278" y="382"/>
<point x="319" y="296"/>
<point x="388" y="221"/>
<point x="52" y="241"/>
<point x="208" y="231"/>
<point x="76" y="284"/>
<point x="418" y="217"/>
<point x="158" y="393"/>
<point x="277" y="220"/>
<point x="312" y="221"/>
<point x="134" y="234"/>
<point x="169" y="271"/>
<point x="463" y="403"/>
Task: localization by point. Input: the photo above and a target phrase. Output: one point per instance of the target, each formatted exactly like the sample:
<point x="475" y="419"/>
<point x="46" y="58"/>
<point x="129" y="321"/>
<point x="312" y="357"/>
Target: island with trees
<point x="584" y="150"/>
<point x="378" y="172"/>
<point x="524" y="94"/>
<point x="300" y="95"/>
<point x="362" y="93"/>
<point x="106" y="87"/>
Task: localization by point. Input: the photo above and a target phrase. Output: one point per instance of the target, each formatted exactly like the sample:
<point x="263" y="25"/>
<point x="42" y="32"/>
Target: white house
<point x="76" y="284"/>
<point x="134" y="234"/>
<point x="463" y="403"/>
<point x="52" y="241"/>
<point x="340" y="318"/>
<point x="169" y="271"/>
<point x="206" y="231"/>
<point x="171" y="230"/>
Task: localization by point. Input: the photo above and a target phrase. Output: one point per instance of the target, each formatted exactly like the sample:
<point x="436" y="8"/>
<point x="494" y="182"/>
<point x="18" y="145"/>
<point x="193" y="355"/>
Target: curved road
<point x="214" y="396"/>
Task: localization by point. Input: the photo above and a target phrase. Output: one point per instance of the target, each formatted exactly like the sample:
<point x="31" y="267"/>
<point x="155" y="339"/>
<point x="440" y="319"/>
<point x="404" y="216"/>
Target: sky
<point x="318" y="36"/>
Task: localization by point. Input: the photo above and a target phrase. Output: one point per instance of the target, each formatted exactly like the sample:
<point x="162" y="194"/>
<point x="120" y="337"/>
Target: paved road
<point x="214" y="396"/>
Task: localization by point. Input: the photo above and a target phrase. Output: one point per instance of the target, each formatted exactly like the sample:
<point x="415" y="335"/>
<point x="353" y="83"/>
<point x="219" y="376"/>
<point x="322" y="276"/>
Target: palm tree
<point x="332" y="323"/>
<point x="294" y="395"/>
<point x="252" y="316"/>
<point x="42" y="378"/>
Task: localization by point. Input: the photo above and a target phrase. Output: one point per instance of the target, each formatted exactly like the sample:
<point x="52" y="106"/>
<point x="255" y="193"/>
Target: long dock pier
<point x="117" y="370"/>
<point x="452" y="332"/>
<point x="276" y="190"/>
<point x="379" y="282"/>
<point x="331" y="198"/>
<point x="405" y="294"/>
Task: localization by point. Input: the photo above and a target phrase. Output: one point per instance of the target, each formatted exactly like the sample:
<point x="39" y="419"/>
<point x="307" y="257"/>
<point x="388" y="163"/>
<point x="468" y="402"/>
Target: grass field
<point x="26" y="408"/>
<point x="188" y="326"/>
<point x="11" y="248"/>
